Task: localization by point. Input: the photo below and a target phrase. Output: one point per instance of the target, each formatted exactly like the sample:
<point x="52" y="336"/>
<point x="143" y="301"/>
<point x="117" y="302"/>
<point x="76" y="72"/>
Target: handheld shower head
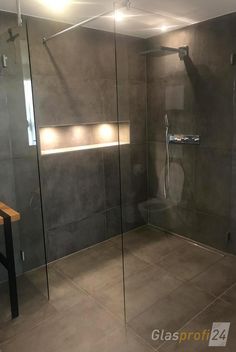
<point x="166" y="121"/>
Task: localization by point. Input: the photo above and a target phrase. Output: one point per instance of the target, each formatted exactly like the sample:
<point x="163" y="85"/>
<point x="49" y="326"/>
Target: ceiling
<point x="159" y="15"/>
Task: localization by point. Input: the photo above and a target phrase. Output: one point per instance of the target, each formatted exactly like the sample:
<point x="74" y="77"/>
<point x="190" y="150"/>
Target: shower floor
<point x="171" y="284"/>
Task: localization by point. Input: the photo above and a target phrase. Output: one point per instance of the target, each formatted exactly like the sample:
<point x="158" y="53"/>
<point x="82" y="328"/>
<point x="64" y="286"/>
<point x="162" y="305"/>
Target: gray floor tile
<point x="142" y="290"/>
<point x="34" y="309"/>
<point x="63" y="293"/>
<point x="150" y="244"/>
<point x="98" y="267"/>
<point x="79" y="329"/>
<point x="230" y="295"/>
<point x="218" y="277"/>
<point x="156" y="297"/>
<point x="122" y="340"/>
<point x="171" y="312"/>
<point x="219" y="311"/>
<point x="189" y="261"/>
<point x="94" y="267"/>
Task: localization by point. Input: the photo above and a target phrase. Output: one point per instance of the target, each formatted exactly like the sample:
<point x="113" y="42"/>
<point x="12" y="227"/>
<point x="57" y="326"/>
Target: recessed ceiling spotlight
<point x="164" y="28"/>
<point x="119" y="17"/>
<point x="56" y="5"/>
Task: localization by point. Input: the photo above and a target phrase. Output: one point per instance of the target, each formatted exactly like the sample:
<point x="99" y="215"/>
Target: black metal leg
<point x="10" y="263"/>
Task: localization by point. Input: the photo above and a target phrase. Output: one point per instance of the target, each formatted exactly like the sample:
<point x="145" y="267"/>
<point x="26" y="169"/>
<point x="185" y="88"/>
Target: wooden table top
<point x="15" y="216"/>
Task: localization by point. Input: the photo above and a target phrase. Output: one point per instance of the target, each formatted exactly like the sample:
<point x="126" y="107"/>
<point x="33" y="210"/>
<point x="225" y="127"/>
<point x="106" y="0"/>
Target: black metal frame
<point x="8" y="262"/>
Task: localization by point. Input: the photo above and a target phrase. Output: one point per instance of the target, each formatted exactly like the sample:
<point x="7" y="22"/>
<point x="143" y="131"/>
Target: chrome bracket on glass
<point x="4" y="61"/>
<point x="184" y="139"/>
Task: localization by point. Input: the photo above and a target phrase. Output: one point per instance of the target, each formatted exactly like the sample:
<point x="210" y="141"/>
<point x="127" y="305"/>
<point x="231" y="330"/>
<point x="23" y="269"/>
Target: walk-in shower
<point x="116" y="150"/>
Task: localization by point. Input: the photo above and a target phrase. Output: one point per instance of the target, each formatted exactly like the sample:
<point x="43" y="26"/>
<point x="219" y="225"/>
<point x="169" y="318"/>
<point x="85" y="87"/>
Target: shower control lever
<point x="183" y="139"/>
<point x="4" y="61"/>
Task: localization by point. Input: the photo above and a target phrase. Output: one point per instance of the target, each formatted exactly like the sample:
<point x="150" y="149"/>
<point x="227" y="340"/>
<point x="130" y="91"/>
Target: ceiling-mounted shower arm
<point x="119" y="4"/>
<point x="19" y="17"/>
<point x="46" y="39"/>
<point x="182" y="51"/>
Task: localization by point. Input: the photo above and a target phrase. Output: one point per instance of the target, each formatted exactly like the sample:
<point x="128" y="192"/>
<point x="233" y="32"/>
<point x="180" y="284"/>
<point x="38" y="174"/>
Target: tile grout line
<point x="117" y="318"/>
<point x="77" y="287"/>
<point x="194" y="317"/>
<point x="225" y="292"/>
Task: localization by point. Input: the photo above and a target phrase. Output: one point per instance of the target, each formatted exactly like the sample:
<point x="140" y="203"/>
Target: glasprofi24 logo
<point x="217" y="336"/>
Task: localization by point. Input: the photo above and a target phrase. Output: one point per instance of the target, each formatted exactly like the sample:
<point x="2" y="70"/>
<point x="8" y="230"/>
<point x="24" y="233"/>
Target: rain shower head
<point x="182" y="51"/>
<point x="118" y="4"/>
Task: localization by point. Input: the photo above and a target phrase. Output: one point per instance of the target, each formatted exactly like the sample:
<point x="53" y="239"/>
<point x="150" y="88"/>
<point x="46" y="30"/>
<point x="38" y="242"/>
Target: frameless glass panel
<point x="132" y="107"/>
<point x="190" y="175"/>
<point x="176" y="90"/>
<point x="20" y="187"/>
<point x="74" y="80"/>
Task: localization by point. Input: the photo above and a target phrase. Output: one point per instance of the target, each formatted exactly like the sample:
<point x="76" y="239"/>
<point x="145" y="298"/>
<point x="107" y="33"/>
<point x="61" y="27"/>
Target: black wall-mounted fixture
<point x="233" y="59"/>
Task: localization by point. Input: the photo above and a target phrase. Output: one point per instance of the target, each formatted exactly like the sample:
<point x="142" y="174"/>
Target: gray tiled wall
<point x="74" y="80"/>
<point x="200" y="181"/>
<point x="18" y="161"/>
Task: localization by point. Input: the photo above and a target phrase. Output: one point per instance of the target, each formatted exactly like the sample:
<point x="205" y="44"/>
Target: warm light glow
<point x="78" y="131"/>
<point x="63" y="139"/>
<point x="56" y="5"/>
<point x="119" y="17"/>
<point x="164" y="28"/>
<point x="48" y="136"/>
<point x="105" y="132"/>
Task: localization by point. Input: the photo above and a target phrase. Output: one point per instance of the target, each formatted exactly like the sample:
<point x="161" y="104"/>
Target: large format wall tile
<point x="131" y="65"/>
<point x="84" y="53"/>
<point x="111" y="159"/>
<point x="5" y="140"/>
<point x="196" y="94"/>
<point x="213" y="181"/>
<point x="132" y="105"/>
<point x="75" y="236"/>
<point x="74" y="79"/>
<point x="133" y="173"/>
<point x="7" y="20"/>
<point x="113" y="221"/>
<point x="62" y="100"/>
<point x="73" y="186"/>
<point x="134" y="215"/>
<point x="29" y="204"/>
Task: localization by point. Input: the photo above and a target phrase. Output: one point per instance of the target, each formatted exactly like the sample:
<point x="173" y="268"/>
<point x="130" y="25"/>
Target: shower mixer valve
<point x="174" y="139"/>
<point x="183" y="139"/>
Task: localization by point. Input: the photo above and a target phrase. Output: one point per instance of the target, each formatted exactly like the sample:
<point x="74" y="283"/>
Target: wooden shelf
<point x="15" y="216"/>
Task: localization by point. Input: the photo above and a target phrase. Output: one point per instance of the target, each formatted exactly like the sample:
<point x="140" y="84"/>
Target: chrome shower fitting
<point x="167" y="163"/>
<point x="119" y="4"/>
<point x="19" y="16"/>
<point x="183" y="52"/>
<point x="4" y="59"/>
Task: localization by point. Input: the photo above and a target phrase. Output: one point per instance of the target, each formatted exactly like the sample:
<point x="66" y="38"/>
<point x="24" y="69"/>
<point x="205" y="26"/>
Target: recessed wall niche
<point x="62" y="139"/>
